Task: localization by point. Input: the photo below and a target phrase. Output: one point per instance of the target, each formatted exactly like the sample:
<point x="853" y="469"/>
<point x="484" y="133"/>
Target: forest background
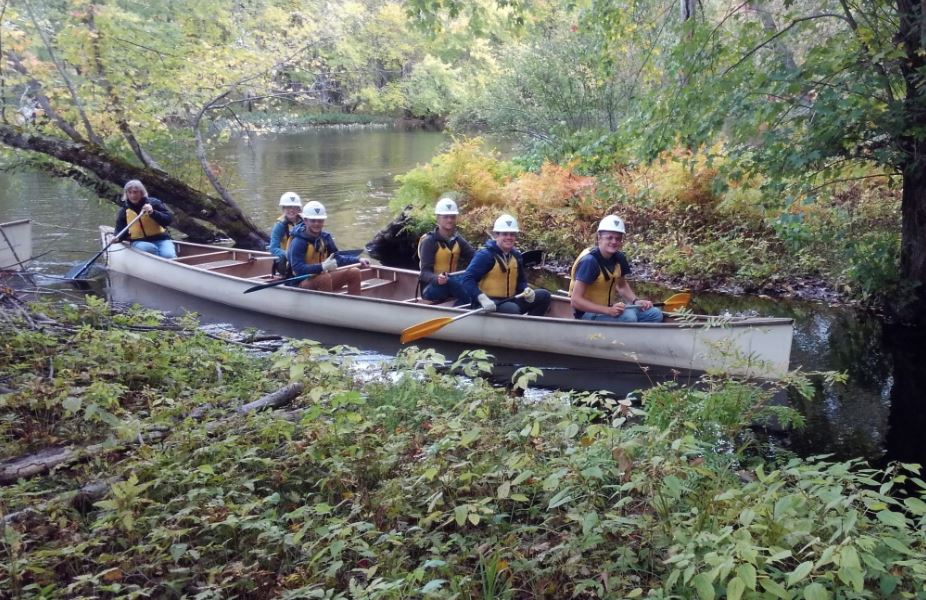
<point x="770" y="146"/>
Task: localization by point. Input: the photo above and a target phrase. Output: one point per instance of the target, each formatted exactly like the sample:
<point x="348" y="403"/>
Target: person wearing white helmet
<point x="440" y="253"/>
<point x="312" y="251"/>
<point x="599" y="290"/>
<point x="496" y="274"/>
<point x="149" y="233"/>
<point x="282" y="231"/>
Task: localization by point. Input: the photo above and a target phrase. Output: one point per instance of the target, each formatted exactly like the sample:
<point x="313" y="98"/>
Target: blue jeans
<point x="162" y="248"/>
<point x="520" y="306"/>
<point x="633" y="315"/>
<point x="441" y="293"/>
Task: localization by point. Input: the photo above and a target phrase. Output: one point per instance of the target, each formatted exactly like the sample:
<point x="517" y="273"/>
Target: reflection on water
<point x="350" y="170"/>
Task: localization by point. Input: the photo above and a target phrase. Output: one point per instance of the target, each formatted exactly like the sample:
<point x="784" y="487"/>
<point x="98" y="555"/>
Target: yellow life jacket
<point x="502" y="280"/>
<point x="287" y="233"/>
<point x="447" y="257"/>
<point x="316" y="252"/>
<point x="600" y="291"/>
<point x="146" y="226"/>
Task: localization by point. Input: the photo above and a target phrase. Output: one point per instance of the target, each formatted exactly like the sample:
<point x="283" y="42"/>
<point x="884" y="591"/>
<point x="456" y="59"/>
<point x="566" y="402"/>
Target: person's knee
<point x="508" y="308"/>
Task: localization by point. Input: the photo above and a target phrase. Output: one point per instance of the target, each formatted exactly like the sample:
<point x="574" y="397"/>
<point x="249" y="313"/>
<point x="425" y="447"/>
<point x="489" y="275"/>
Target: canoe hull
<point x="756" y="347"/>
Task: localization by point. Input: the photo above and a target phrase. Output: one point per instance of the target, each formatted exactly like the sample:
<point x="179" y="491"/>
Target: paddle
<point x="264" y="286"/>
<point x="672" y="303"/>
<point x="78" y="270"/>
<point x="426" y="328"/>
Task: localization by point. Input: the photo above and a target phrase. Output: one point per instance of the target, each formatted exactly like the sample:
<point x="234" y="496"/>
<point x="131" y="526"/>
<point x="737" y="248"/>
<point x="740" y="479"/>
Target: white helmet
<point x="290" y="199"/>
<point x="611" y="223"/>
<point x="506" y="224"/>
<point x="314" y="209"/>
<point x="446" y="206"/>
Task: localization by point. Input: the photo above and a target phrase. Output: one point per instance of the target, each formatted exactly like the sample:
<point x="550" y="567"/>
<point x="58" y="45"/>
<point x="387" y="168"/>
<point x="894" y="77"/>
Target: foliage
<point x="418" y="483"/>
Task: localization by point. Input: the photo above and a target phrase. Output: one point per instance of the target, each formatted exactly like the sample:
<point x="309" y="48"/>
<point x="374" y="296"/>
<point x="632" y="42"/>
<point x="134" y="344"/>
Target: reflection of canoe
<point x="15" y="245"/>
<point x="387" y="304"/>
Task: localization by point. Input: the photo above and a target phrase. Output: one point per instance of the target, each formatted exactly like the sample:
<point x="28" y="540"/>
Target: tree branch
<point x="114" y="100"/>
<point x="853" y="25"/>
<point x="67" y="80"/>
<point x="771" y="39"/>
<point x="42" y="99"/>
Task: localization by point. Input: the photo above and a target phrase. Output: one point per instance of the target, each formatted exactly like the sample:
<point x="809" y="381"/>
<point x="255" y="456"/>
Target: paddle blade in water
<point x="423" y="329"/>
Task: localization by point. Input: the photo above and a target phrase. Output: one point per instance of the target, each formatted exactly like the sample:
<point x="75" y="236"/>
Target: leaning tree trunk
<point x="228" y="219"/>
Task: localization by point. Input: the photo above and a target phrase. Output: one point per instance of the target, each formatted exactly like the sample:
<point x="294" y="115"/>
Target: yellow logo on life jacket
<point x="502" y="280"/>
<point x="146" y="226"/>
<point x="600" y="291"/>
<point x="447" y="256"/>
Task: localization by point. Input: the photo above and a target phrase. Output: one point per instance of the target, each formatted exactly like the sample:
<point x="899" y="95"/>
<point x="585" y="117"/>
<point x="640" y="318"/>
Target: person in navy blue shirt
<point x="599" y="290"/>
<point x="312" y="251"/>
<point x="496" y="274"/>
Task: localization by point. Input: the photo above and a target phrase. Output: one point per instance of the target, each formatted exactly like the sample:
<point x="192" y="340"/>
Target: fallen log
<point x="275" y="399"/>
<point x="48" y="458"/>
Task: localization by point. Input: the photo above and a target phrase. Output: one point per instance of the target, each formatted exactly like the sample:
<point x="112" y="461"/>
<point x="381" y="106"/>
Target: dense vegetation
<point x="410" y="482"/>
<point x="687" y="224"/>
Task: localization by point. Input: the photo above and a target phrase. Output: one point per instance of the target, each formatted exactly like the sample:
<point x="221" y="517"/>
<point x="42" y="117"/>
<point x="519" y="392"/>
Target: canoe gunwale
<point x="588" y="338"/>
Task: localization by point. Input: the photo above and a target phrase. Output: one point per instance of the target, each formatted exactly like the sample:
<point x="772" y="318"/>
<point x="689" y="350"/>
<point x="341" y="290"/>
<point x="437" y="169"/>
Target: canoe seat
<point x="369" y="284"/>
<point x="201" y="258"/>
<point x="418" y="300"/>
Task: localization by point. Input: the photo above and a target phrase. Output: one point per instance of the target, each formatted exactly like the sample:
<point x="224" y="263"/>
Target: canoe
<point x="388" y="303"/>
<point x="15" y="245"/>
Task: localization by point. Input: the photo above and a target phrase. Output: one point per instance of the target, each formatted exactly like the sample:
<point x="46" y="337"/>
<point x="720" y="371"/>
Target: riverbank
<point x="402" y="482"/>
<point x="687" y="226"/>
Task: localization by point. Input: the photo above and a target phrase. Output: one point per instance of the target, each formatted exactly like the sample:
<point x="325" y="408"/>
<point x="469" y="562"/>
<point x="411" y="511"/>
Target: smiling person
<point x="440" y="253"/>
<point x="599" y="290"/>
<point x="497" y="273"/>
<point x="282" y="232"/>
<point x="149" y="233"/>
<point x="312" y="251"/>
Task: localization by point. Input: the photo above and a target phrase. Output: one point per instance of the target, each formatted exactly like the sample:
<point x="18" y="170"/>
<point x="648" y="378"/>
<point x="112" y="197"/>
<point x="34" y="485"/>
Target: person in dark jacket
<point x="149" y="233"/>
<point x="282" y="232"/>
<point x="496" y="274"/>
<point x="312" y="251"/>
<point x="440" y="253"/>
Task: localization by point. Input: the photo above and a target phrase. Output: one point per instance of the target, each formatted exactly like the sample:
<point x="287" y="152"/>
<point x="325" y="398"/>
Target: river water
<point x="877" y="415"/>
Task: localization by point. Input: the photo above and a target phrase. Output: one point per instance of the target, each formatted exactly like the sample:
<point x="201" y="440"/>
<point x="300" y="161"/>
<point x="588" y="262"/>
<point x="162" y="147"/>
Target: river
<point x="876" y="415"/>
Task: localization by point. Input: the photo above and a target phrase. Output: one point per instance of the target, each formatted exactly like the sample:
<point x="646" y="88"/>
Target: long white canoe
<point x="758" y="347"/>
<point x="15" y="245"/>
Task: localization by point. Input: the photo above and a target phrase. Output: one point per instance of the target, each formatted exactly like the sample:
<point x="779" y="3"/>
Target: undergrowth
<point x="416" y="483"/>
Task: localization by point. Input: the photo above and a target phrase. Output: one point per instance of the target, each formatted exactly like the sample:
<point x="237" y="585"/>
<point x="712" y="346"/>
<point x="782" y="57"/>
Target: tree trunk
<point x="911" y="34"/>
<point x="913" y="241"/>
<point x="228" y="219"/>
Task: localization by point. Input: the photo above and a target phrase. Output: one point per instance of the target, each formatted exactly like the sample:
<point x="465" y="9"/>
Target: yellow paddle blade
<point x="677" y="301"/>
<point x="423" y="329"/>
